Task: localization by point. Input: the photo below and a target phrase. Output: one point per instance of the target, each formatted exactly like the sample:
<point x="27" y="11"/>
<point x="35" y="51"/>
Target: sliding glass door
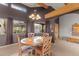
<point x="2" y="31"/>
<point x="19" y="28"/>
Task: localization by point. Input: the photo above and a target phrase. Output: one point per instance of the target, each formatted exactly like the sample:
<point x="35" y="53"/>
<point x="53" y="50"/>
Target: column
<point x="32" y="27"/>
<point x="47" y="27"/>
<point x="42" y="28"/>
<point x="26" y="35"/>
<point x="9" y="31"/>
<point x="29" y="27"/>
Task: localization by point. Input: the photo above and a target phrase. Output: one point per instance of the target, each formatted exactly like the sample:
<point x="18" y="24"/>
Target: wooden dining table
<point x="35" y="41"/>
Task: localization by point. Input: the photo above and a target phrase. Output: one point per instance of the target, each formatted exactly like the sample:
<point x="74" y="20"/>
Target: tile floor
<point x="10" y="50"/>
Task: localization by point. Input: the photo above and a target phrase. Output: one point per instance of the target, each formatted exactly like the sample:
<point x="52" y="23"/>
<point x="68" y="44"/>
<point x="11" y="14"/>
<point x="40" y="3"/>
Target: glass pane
<point x="2" y="31"/>
<point x="44" y="28"/>
<point x="18" y="8"/>
<point x="37" y="28"/>
<point x="19" y="27"/>
<point x="2" y="26"/>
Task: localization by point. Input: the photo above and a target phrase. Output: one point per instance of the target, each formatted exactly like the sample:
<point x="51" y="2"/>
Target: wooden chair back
<point x="18" y="38"/>
<point x="31" y="34"/>
<point x="46" y="45"/>
<point x="20" y="52"/>
<point x="45" y="34"/>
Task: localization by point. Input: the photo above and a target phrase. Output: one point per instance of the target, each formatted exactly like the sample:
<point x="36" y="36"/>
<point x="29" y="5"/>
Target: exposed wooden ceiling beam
<point x="65" y="3"/>
<point x="65" y="9"/>
<point x="43" y="5"/>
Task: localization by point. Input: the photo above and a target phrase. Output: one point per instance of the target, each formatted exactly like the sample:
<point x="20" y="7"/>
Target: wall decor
<point x="75" y="29"/>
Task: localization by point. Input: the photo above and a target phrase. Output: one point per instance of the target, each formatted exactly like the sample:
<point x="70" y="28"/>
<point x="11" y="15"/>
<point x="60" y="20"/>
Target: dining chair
<point x="45" y="34"/>
<point x="45" y="49"/>
<point x="31" y="34"/>
<point x="23" y="48"/>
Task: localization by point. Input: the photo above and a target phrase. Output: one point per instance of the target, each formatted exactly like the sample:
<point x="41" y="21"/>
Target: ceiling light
<point x="35" y="16"/>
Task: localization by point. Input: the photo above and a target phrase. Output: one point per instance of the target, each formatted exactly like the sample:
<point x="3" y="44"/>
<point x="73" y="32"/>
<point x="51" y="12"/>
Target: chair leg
<point x="31" y="53"/>
<point x="50" y="53"/>
<point x="35" y="53"/>
<point x="20" y="52"/>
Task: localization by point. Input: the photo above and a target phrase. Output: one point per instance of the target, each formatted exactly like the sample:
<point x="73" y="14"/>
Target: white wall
<point x="63" y="47"/>
<point x="66" y="22"/>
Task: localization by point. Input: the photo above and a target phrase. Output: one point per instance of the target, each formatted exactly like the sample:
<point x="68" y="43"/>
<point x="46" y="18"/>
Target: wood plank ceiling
<point x="43" y="5"/>
<point x="60" y="8"/>
<point x="65" y="9"/>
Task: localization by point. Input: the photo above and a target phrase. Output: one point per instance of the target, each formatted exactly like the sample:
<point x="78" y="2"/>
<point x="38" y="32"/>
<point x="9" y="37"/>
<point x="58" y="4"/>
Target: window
<point x="44" y="27"/>
<point x="5" y="4"/>
<point x="18" y="8"/>
<point x="2" y="26"/>
<point x="19" y="27"/>
<point x="38" y="28"/>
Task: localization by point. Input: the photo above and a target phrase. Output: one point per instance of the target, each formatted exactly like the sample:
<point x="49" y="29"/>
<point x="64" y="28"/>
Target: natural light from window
<point x="18" y="8"/>
<point x="37" y="28"/>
